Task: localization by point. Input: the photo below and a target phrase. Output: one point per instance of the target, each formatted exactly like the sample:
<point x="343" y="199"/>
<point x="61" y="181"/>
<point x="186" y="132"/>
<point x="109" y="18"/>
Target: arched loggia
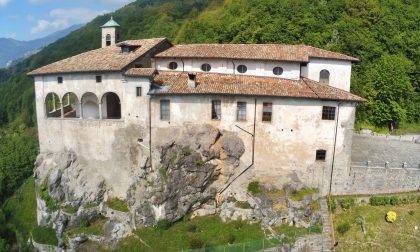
<point x="90" y="106"/>
<point x="52" y="105"/>
<point x="111" y="106"/>
<point x="71" y="106"/>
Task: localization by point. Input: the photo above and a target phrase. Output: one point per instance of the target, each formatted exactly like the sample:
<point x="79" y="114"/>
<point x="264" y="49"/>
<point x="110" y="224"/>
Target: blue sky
<point x="31" y="19"/>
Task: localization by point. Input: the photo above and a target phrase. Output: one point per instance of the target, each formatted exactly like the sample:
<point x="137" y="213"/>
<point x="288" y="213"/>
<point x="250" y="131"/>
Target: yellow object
<point x="391" y="216"/>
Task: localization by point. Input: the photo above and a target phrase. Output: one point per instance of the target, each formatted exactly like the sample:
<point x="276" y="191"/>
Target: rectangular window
<point x="241" y="111"/>
<point x="60" y="80"/>
<point x="98" y="78"/>
<point x="328" y="113"/>
<point x="216" y="109"/>
<point x="138" y="91"/>
<point x="267" y="111"/>
<point x="165" y="111"/>
<point x="320" y="155"/>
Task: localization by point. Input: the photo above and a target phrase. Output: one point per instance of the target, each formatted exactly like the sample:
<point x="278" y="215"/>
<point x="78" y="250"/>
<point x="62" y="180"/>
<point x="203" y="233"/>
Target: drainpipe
<point x="183" y="65"/>
<point x="334" y="147"/>
<point x="150" y="132"/>
<point x="234" y="67"/>
<point x="253" y="149"/>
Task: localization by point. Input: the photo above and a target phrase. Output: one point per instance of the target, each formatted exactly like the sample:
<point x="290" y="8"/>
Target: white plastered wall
<point x="105" y="145"/>
<point x="284" y="148"/>
<point x="340" y="71"/>
<point x="291" y="70"/>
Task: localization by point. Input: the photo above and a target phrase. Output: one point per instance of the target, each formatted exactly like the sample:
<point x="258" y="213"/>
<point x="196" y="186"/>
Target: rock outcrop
<point x="186" y="174"/>
<point x="181" y="176"/>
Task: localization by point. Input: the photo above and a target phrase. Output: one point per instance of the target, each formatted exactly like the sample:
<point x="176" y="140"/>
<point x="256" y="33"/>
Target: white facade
<point x="340" y="71"/>
<point x="284" y="148"/>
<point x="291" y="70"/>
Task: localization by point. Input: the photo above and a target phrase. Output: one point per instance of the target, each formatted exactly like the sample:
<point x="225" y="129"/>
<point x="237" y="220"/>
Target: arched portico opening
<point x="90" y="106"/>
<point x="111" y="106"/>
<point x="53" y="105"/>
<point x="71" y="106"/>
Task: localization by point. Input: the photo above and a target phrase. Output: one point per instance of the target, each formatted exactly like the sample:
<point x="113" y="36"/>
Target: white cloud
<point x="39" y="1"/>
<point x="30" y="18"/>
<point x="63" y="18"/>
<point x="117" y="2"/>
<point x="11" y="35"/>
<point x="4" y="2"/>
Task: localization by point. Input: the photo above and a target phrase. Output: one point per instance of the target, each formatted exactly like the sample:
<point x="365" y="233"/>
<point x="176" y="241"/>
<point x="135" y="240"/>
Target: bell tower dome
<point x="110" y="33"/>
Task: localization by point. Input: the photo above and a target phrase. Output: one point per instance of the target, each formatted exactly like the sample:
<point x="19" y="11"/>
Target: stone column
<point x="100" y="110"/>
<point x="81" y="110"/>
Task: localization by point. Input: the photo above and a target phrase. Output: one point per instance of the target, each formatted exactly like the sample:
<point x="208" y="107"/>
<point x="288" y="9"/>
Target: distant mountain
<point x="13" y="51"/>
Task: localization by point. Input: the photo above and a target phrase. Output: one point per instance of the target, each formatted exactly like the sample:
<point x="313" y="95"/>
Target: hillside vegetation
<point x="383" y="34"/>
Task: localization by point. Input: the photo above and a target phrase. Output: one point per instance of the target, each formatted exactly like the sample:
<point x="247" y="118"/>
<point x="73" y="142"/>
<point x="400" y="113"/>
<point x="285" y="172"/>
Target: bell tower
<point x="110" y="33"/>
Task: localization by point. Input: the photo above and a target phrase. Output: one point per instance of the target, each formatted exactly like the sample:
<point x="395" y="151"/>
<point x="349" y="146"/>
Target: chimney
<point x="192" y="83"/>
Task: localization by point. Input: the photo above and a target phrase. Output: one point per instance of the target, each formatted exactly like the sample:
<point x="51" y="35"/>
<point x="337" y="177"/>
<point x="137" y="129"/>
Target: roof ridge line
<point x="311" y="88"/>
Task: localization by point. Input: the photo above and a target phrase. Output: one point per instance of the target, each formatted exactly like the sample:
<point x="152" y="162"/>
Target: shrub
<point x="196" y="243"/>
<point x="70" y="209"/>
<point x="193" y="229"/>
<point x="231" y="199"/>
<point x="173" y="159"/>
<point x="346" y="203"/>
<point x="383" y="201"/>
<point x="117" y="204"/>
<point x="243" y="204"/>
<point x="45" y="196"/>
<point x="83" y="223"/>
<point x="199" y="163"/>
<point x="332" y="204"/>
<point x="391" y="216"/>
<point x="44" y="235"/>
<point x="254" y="188"/>
<point x="238" y="224"/>
<point x="231" y="239"/>
<point x="343" y="228"/>
<point x="315" y="206"/>
<point x="379" y="201"/>
<point x="163" y="225"/>
<point x="186" y="151"/>
<point x="394" y="201"/>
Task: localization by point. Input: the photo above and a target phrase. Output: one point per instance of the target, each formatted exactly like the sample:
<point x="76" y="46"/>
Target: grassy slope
<point x="210" y="230"/>
<point x="381" y="236"/>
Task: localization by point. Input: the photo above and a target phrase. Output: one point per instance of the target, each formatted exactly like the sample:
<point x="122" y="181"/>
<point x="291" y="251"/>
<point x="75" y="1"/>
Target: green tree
<point x="389" y="91"/>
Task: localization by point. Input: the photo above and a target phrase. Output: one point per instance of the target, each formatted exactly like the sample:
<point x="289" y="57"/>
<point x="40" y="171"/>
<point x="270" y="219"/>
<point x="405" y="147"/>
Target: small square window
<point x="267" y="111"/>
<point x="98" y="78"/>
<point x="138" y="91"/>
<point x="320" y="155"/>
<point x="60" y="80"/>
<point x="241" y="111"/>
<point x="216" y="110"/>
<point x="165" y="110"/>
<point x="328" y="113"/>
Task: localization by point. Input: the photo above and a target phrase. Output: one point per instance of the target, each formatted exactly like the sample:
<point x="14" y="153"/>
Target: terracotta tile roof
<point x="102" y="59"/>
<point x="176" y="83"/>
<point x="280" y="52"/>
<point x="140" y="72"/>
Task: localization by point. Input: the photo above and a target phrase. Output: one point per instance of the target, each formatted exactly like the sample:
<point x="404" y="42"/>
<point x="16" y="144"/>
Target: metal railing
<point x="386" y="164"/>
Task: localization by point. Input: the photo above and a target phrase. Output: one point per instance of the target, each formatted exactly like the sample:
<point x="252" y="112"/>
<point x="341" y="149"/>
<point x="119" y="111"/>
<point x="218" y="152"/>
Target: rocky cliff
<point x="180" y="176"/>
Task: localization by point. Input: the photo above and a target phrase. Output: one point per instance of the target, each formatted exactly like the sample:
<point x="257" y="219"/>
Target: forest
<point x="383" y="34"/>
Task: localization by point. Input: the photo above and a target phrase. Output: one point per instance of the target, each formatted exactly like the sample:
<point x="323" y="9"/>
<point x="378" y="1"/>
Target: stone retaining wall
<point x="379" y="165"/>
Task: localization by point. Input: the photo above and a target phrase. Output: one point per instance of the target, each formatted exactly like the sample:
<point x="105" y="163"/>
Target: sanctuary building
<point x="113" y="106"/>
